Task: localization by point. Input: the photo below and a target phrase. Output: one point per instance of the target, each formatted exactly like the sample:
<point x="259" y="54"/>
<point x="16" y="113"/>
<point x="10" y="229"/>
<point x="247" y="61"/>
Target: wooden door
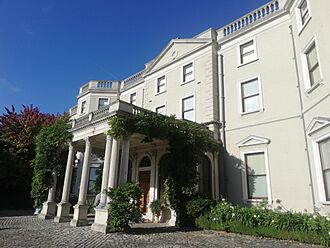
<point x="144" y="181"/>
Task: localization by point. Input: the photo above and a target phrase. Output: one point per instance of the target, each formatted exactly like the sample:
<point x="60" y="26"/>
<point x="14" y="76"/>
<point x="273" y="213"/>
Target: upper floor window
<point x="161" y="84"/>
<point x="256" y="175"/>
<point x="247" y="52"/>
<point x="304" y="12"/>
<point x="188" y="72"/>
<point x="188" y="108"/>
<point x="250" y="96"/>
<point x="324" y="148"/>
<point x="83" y="107"/>
<point x="311" y="66"/>
<point x="102" y="102"/>
<point x="132" y="98"/>
<point x="161" y="110"/>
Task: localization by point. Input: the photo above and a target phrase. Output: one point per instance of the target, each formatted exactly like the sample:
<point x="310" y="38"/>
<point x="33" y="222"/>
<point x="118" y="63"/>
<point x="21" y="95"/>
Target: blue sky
<point x="48" y="48"/>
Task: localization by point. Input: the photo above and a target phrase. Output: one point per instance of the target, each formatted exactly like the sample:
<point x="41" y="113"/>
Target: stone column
<point x="80" y="209"/>
<point x="63" y="208"/>
<point x="124" y="161"/>
<point x="49" y="207"/>
<point x="101" y="211"/>
<point x="113" y="164"/>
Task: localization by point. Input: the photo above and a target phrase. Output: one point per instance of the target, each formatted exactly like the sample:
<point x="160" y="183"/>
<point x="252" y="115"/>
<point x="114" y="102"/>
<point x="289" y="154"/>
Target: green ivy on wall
<point x="188" y="142"/>
<point x="50" y="142"/>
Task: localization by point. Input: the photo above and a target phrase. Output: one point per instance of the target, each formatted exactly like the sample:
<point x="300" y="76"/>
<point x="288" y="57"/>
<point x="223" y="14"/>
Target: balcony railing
<point x="100" y="85"/>
<point x="119" y="107"/>
<point x="252" y="17"/>
<point x="73" y="110"/>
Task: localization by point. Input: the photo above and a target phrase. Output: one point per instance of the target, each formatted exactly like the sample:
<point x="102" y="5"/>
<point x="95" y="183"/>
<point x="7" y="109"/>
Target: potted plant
<point x="155" y="209"/>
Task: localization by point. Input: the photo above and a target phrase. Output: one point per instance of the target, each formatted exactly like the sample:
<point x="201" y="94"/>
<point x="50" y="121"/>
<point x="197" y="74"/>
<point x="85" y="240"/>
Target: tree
<point x="17" y="149"/>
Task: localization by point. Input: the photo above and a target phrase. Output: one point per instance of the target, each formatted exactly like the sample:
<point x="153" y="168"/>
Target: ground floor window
<point x="204" y="176"/>
<point x="91" y="180"/>
<point x="256" y="175"/>
<point x="324" y="148"/>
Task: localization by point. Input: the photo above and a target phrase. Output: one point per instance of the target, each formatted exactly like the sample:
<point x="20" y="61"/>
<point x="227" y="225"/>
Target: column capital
<point x="87" y="141"/>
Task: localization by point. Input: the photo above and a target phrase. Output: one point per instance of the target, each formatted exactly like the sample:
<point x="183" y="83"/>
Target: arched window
<point x="145" y="162"/>
<point x="205" y="177"/>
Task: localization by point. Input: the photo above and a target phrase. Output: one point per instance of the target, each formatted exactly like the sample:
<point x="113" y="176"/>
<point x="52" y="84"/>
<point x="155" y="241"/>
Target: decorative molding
<point x="317" y="124"/>
<point x="253" y="140"/>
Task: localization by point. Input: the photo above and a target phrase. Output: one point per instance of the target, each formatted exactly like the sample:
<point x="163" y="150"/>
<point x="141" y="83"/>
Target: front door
<point x="144" y="181"/>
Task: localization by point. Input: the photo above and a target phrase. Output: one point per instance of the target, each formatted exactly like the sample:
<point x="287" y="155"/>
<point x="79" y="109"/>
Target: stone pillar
<point x="49" y="207"/>
<point x="108" y="180"/>
<point x="80" y="209"/>
<point x="101" y="211"/>
<point x="124" y="161"/>
<point x="63" y="208"/>
<point x="113" y="164"/>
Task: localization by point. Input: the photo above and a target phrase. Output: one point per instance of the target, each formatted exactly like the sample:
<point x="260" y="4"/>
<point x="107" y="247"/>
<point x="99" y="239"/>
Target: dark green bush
<point x="124" y="206"/>
<point x="199" y="205"/>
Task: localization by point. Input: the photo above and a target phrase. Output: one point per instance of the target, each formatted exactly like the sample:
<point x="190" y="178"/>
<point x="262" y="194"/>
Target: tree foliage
<point x="50" y="142"/>
<point x="17" y="149"/>
<point x="187" y="142"/>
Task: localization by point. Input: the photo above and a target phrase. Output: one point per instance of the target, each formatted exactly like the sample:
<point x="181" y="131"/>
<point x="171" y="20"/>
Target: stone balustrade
<point x="252" y="17"/>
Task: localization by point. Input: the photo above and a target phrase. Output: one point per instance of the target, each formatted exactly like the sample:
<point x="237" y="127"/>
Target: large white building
<point x="261" y="84"/>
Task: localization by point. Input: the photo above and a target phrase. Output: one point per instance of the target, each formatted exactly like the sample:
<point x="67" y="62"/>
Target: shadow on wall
<point x="235" y="170"/>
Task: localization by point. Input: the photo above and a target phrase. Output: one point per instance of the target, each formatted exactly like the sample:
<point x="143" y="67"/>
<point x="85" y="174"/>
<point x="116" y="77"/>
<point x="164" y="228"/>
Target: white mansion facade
<point x="261" y="84"/>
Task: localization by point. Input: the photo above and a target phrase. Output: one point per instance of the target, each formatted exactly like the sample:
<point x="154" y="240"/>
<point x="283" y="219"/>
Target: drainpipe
<point x="302" y="114"/>
<point x="222" y="122"/>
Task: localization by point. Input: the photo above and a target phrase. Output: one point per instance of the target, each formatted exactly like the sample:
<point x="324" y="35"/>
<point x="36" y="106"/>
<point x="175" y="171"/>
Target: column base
<point x="79" y="216"/>
<point x="48" y="210"/>
<point x="63" y="212"/>
<point x="101" y="220"/>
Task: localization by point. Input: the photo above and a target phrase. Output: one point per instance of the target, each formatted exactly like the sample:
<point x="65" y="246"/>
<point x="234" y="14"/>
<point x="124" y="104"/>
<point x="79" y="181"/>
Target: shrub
<point x="261" y="221"/>
<point x="124" y="206"/>
<point x="155" y="207"/>
<point x="199" y="205"/>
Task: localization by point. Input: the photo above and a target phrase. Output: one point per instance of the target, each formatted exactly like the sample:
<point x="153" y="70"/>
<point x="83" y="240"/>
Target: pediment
<point x="253" y="140"/>
<point x="317" y="124"/>
<point x="175" y="49"/>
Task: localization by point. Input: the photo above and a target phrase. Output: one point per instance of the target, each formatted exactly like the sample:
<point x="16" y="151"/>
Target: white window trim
<point x="135" y="92"/>
<point x="239" y="51"/>
<point x="301" y="26"/>
<point x="240" y="95"/>
<point x="193" y="72"/>
<point x="318" y="168"/>
<point x="156" y="84"/>
<point x="98" y="100"/>
<point x="162" y="105"/>
<point x="244" y="175"/>
<point x="181" y="106"/>
<point x="307" y="82"/>
<point x="80" y="111"/>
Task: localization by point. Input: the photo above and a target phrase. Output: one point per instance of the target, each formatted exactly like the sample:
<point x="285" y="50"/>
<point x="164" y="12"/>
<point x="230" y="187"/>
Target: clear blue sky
<point x="48" y="48"/>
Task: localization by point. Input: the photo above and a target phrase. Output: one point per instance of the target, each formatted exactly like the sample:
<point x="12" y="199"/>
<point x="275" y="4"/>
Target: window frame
<point x="88" y="183"/>
<point x="309" y="87"/>
<point x="261" y="106"/>
<point x="245" y="175"/>
<point x="318" y="168"/>
<point x="161" y="106"/>
<point x="301" y="25"/>
<point x="83" y="107"/>
<point x="130" y="98"/>
<point x="194" y="107"/>
<point x="157" y="85"/>
<point x="103" y="98"/>
<point x="182" y="72"/>
<point x="239" y="55"/>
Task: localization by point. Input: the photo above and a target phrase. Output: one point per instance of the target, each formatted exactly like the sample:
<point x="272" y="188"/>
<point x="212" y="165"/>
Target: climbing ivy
<point x="50" y="143"/>
<point x="188" y="142"/>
